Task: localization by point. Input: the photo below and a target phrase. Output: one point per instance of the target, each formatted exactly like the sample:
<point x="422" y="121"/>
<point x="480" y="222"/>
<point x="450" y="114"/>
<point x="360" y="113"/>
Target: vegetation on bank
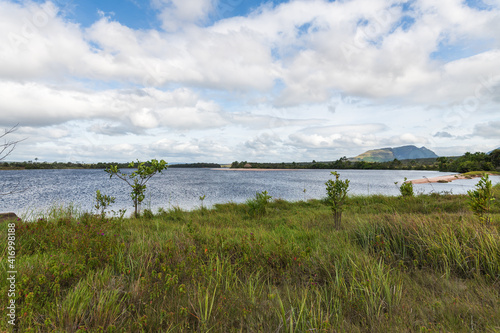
<point x="30" y="165"/>
<point x="467" y="162"/>
<point x="420" y="263"/>
<point x="462" y="164"/>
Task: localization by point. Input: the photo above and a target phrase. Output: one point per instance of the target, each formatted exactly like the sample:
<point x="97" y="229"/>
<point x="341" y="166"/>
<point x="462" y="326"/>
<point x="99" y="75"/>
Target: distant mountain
<point x="492" y="150"/>
<point x="389" y="154"/>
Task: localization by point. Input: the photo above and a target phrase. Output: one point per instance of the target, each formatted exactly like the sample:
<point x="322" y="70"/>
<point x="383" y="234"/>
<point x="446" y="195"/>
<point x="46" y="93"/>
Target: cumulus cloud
<point x="338" y="136"/>
<point x="259" y="121"/>
<point x="253" y="77"/>
<point x="489" y="130"/>
<point x="443" y="134"/>
<point x="195" y="148"/>
<point x="177" y="14"/>
<point x="36" y="104"/>
<point x="316" y="48"/>
<point x="405" y="139"/>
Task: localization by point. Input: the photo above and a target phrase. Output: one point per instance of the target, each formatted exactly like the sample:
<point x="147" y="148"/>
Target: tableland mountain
<point x="389" y="154"/>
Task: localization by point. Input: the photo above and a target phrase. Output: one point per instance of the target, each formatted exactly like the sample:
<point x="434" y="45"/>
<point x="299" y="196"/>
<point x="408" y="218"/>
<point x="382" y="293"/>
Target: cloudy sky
<point x="225" y="80"/>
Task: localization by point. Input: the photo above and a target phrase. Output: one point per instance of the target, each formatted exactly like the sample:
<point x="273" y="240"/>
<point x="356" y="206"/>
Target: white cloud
<point x="263" y="83"/>
<point x="196" y="149"/>
<point x="177" y="14"/>
<point x="338" y="136"/>
<point x="37" y="104"/>
<point x="489" y="130"/>
<point x="303" y="43"/>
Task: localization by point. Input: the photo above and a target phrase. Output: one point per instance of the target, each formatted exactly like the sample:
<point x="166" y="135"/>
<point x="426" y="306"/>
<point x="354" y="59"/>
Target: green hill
<point x="400" y="153"/>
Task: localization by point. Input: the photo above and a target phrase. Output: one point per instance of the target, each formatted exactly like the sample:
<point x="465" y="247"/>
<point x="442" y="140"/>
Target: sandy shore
<point x="251" y="169"/>
<point x="443" y="179"/>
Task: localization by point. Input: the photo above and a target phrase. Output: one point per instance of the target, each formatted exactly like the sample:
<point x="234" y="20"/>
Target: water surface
<point x="42" y="189"/>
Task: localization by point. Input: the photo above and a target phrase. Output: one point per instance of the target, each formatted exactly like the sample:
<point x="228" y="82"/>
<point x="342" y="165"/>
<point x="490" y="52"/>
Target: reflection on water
<point x="183" y="187"/>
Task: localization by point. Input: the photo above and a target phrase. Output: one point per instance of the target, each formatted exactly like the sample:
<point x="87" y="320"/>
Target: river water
<point x="37" y="190"/>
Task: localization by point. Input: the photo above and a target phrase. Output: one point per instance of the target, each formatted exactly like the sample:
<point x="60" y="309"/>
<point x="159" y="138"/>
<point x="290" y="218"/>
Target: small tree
<point x="406" y="188"/>
<point x="6" y="149"/>
<point x="337" y="194"/>
<point x="8" y="145"/>
<point x="480" y="199"/>
<point x="102" y="202"/>
<point x="257" y="206"/>
<point x="137" y="180"/>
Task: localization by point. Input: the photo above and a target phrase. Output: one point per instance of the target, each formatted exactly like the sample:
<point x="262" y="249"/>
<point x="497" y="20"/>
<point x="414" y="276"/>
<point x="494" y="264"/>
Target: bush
<point x="336" y="191"/>
<point x="406" y="188"/>
<point x="102" y="202"/>
<point x="148" y="214"/>
<point x="257" y="206"/>
<point x="480" y="199"/>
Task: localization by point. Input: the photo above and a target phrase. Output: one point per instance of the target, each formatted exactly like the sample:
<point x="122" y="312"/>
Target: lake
<point x="42" y="189"/>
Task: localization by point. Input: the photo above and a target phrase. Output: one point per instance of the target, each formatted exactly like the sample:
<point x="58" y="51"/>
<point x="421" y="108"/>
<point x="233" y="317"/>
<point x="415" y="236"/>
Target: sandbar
<point x="254" y="169"/>
<point x="443" y="179"/>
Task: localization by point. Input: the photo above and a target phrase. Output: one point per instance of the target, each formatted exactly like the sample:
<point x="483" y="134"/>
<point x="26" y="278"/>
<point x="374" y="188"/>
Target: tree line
<point x="467" y="162"/>
<point x="99" y="165"/>
<point x="470" y="162"/>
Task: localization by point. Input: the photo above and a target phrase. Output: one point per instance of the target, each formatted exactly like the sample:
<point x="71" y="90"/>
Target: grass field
<point x="418" y="264"/>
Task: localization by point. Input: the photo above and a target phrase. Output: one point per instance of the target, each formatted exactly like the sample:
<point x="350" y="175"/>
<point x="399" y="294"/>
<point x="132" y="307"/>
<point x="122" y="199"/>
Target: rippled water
<point x="183" y="187"/>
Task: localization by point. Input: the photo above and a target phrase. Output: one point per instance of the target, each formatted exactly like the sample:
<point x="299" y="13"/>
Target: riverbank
<point x="396" y="265"/>
<point x="450" y="178"/>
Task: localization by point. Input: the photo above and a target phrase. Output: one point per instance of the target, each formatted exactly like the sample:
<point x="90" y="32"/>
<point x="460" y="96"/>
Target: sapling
<point x="480" y="199"/>
<point x="337" y="195"/>
<point x="257" y="206"/>
<point x="103" y="201"/>
<point x="406" y="188"/>
<point x="202" y="198"/>
<point x="137" y="180"/>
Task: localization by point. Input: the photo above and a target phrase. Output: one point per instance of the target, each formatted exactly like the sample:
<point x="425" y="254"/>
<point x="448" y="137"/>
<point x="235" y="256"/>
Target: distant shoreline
<point x="254" y="169"/>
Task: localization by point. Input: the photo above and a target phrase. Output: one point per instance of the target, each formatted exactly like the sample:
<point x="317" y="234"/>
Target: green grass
<point x="480" y="173"/>
<point x="419" y="264"/>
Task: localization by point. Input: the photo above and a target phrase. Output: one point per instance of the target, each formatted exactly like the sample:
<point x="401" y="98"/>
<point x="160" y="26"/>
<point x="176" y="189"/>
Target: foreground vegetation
<point x="399" y="264"/>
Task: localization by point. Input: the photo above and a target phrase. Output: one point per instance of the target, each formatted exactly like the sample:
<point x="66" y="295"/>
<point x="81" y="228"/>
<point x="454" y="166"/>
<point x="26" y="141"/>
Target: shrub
<point x="148" y="214"/>
<point x="406" y="188"/>
<point x="336" y="191"/>
<point x="257" y="206"/>
<point x="102" y="202"/>
<point x="480" y="199"/>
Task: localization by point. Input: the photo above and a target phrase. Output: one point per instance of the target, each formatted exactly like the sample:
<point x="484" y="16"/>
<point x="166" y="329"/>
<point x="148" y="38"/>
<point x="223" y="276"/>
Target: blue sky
<point x="225" y="80"/>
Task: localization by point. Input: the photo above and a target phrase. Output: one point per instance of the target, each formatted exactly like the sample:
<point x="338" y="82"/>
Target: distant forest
<point x="467" y="162"/>
<point x="99" y="165"/>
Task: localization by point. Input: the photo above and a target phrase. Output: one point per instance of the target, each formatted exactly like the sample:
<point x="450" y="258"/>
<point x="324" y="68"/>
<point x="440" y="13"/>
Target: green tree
<point x="137" y="180"/>
<point x="336" y="191"/>
<point x="443" y="163"/>
<point x="495" y="158"/>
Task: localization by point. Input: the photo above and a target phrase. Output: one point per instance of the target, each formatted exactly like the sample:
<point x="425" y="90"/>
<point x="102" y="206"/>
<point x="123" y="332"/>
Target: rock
<point x="8" y="217"/>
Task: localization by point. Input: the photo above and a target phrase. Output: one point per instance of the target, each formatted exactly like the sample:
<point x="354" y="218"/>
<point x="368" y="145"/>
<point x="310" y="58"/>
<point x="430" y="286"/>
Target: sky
<point x="263" y="81"/>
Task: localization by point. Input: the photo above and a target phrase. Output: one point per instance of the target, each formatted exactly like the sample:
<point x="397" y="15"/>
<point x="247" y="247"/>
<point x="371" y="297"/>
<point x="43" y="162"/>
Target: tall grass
<point x="400" y="264"/>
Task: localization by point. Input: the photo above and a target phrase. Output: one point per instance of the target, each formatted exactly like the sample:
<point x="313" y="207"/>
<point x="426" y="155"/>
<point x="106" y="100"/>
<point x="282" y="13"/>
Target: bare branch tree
<point x="6" y="149"/>
<point x="8" y="146"/>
